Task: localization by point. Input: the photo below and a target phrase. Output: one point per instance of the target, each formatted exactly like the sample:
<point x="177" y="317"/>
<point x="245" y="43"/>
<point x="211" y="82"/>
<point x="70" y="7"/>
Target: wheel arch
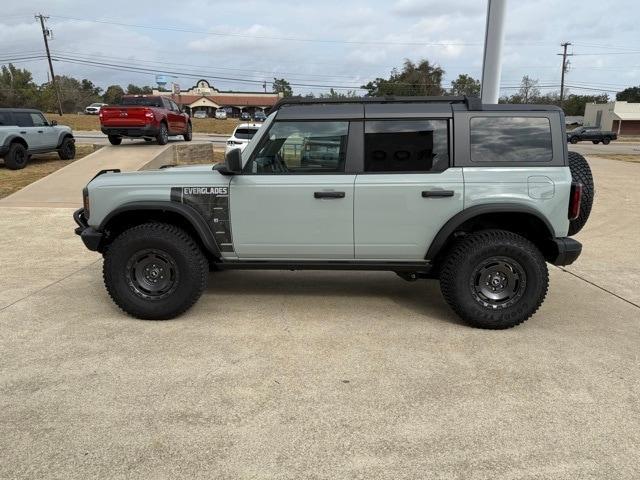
<point x="520" y="219"/>
<point x="16" y="139"/>
<point x="181" y="215"/>
<point x="62" y="137"/>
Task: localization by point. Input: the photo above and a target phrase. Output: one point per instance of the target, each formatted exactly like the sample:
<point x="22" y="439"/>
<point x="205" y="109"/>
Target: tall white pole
<point x="493" y="40"/>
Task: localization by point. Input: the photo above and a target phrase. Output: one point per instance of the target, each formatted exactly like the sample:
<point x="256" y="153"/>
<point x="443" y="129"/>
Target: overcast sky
<point x="328" y="43"/>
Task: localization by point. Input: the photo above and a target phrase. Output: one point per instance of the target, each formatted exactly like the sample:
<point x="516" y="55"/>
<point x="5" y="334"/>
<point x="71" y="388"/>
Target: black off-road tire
<point x="115" y="140"/>
<point x="188" y="136"/>
<point x="17" y="157"/>
<point x="460" y="280"/>
<point x="581" y="172"/>
<point x="122" y="271"/>
<point x="67" y="150"/>
<point x="163" y="134"/>
<point x="574" y="140"/>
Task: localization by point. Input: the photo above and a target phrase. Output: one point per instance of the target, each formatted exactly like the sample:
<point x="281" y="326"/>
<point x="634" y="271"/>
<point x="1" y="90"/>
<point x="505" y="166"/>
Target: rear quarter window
<point x="510" y="139"/>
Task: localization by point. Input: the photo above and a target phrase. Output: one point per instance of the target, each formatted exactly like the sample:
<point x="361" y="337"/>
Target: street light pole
<point x="492" y="61"/>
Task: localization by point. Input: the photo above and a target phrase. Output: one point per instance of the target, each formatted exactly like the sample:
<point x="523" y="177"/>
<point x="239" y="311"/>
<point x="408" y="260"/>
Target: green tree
<point x="414" y="79"/>
<point x="631" y="94"/>
<point x="135" y="90"/>
<point x="529" y="90"/>
<point x="465" y="85"/>
<point x="280" y="85"/>
<point x="575" y="104"/>
<point x="113" y="95"/>
<point x="17" y="88"/>
<point x="334" y="94"/>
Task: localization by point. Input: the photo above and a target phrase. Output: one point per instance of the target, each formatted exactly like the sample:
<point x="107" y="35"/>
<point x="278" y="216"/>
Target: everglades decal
<point x="213" y="204"/>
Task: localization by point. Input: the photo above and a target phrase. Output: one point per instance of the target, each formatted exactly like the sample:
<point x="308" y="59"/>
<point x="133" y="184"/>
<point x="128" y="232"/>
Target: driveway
<point x="326" y="375"/>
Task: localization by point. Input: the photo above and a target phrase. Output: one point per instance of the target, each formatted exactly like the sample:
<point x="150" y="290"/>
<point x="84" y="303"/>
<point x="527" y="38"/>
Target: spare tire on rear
<point x="581" y="172"/>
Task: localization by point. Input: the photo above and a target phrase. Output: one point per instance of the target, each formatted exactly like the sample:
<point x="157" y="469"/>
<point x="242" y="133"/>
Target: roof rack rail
<point x="472" y="103"/>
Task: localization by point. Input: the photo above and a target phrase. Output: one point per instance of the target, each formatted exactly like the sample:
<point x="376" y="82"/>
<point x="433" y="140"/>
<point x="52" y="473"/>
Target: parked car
<point x="94" y="108"/>
<point x="259" y="116"/>
<point x="245" y="116"/>
<point x="241" y="136"/>
<point x="221" y="114"/>
<point x="591" y="133"/>
<point x="200" y="114"/>
<point x="378" y="188"/>
<point x="144" y="116"/>
<point x="25" y="131"/>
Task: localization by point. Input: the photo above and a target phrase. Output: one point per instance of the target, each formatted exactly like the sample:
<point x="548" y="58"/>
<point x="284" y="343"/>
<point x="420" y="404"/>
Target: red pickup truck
<point x="144" y="116"/>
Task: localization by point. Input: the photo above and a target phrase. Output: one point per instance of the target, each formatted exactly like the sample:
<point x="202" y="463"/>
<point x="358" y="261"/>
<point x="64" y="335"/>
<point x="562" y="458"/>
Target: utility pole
<point x="565" y="67"/>
<point x="45" y="35"/>
<point x="264" y="85"/>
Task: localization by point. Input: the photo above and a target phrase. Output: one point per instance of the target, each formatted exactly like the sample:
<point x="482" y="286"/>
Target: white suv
<point x="241" y="136"/>
<point x="94" y="108"/>
<point x="221" y="114"/>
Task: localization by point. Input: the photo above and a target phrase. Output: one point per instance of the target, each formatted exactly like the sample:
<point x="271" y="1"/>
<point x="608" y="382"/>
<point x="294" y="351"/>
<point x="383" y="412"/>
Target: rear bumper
<point x="146" y="131"/>
<point x="91" y="237"/>
<point x="564" y="251"/>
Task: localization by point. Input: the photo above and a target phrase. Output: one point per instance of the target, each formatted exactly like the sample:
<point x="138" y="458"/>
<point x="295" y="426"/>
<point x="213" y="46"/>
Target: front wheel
<point x="155" y="271"/>
<point x="494" y="279"/>
<point x="595" y="142"/>
<point x="189" y="133"/>
<point x="115" y="140"/>
<point x="67" y="150"/>
<point x="606" y="141"/>
<point x="573" y="140"/>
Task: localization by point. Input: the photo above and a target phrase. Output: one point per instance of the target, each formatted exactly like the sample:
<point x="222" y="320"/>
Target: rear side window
<point x="406" y="146"/>
<point x="5" y="119"/>
<point x="510" y="139"/>
<point x="23" y="119"/>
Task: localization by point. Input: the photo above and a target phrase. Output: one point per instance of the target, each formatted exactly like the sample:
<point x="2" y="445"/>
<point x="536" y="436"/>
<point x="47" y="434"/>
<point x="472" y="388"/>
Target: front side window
<point x="38" y="120"/>
<point x="406" y="146"/>
<point x="510" y="139"/>
<point x="302" y="147"/>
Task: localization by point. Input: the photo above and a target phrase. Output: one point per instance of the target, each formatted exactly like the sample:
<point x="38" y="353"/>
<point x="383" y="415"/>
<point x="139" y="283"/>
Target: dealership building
<point x="620" y="117"/>
<point x="206" y="98"/>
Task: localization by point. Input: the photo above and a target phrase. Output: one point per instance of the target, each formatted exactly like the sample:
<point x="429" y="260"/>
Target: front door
<point x="32" y="134"/>
<point x="407" y="191"/>
<point x="293" y="200"/>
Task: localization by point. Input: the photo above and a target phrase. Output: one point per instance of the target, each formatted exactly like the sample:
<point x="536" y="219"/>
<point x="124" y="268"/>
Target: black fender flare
<point x="439" y="241"/>
<point x="14" y="137"/>
<point x="62" y="136"/>
<point x="190" y="214"/>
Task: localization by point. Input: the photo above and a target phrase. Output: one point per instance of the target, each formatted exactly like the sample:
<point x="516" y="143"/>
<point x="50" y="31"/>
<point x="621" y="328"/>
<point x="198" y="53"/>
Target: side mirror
<point x="53" y="123"/>
<point x="232" y="162"/>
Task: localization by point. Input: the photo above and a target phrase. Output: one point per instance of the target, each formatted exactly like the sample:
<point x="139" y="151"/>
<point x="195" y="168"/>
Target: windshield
<point x="245" y="133"/>
<point x="142" y="101"/>
<point x="95" y="105"/>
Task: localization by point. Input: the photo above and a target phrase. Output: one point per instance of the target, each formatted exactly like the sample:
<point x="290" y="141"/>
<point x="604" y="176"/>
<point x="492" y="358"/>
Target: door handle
<point x="23" y="131"/>
<point x="39" y="131"/>
<point x="328" y="194"/>
<point x="437" y="193"/>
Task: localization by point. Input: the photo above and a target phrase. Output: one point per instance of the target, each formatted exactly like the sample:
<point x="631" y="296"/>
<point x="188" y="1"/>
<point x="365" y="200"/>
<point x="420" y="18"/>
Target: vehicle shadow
<point x="421" y="297"/>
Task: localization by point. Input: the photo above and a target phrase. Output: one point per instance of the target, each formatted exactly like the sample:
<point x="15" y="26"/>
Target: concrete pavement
<point x="319" y="375"/>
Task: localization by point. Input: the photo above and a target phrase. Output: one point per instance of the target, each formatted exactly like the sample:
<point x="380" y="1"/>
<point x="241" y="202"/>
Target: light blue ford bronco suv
<point x="477" y="196"/>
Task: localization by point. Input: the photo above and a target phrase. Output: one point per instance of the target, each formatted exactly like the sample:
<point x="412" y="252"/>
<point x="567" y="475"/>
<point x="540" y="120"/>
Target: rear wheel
<point x="115" y="140"/>
<point x="155" y="271"/>
<point x="17" y="156"/>
<point x="494" y="279"/>
<point x="189" y="133"/>
<point x="163" y="135"/>
<point x="573" y="140"/>
<point x="595" y="142"/>
<point x="581" y="173"/>
<point x="67" y="150"/>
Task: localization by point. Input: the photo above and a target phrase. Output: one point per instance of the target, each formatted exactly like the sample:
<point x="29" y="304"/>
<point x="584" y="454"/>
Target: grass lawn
<point x="92" y="122"/>
<point x="39" y="166"/>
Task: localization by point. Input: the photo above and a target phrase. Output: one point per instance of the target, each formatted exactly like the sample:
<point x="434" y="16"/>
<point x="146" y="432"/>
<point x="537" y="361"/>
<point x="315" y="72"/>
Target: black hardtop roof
<point x="19" y="110"/>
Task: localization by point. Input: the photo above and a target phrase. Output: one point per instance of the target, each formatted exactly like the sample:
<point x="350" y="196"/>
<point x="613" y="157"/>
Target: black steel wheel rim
<point x="152" y="274"/>
<point x="70" y="148"/>
<point x="20" y="156"/>
<point x="498" y="282"/>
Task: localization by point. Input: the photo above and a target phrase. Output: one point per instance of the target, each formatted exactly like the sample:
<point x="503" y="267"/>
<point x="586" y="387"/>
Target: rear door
<point x="294" y="199"/>
<point x="408" y="189"/>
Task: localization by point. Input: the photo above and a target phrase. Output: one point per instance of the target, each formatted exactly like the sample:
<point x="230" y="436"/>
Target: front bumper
<point x="146" y="131"/>
<point x="91" y="237"/>
<point x="564" y="251"/>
